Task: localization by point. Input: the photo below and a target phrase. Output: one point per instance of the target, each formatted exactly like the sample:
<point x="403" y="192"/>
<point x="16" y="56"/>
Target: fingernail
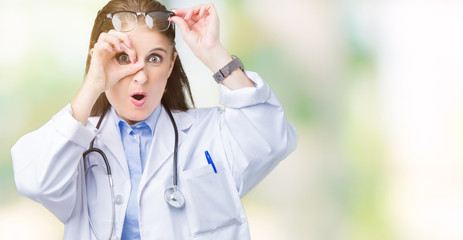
<point x="173" y="9"/>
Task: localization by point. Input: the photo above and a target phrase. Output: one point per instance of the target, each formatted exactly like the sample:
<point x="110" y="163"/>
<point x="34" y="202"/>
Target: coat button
<point x="118" y="199"/>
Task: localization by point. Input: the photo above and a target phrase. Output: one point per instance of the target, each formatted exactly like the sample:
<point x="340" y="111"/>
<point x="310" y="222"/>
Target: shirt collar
<point x="150" y="121"/>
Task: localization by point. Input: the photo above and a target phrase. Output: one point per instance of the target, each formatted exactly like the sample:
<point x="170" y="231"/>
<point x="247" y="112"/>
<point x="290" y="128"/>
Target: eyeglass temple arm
<point x="99" y="28"/>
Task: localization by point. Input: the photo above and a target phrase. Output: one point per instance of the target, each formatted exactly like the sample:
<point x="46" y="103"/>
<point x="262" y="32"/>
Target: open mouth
<point x="138" y="96"/>
<point x="138" y="99"/>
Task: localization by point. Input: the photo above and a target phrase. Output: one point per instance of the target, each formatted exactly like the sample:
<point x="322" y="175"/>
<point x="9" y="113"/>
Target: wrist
<point x="216" y="58"/>
<point x="92" y="87"/>
<point x="83" y="102"/>
<point x="228" y="69"/>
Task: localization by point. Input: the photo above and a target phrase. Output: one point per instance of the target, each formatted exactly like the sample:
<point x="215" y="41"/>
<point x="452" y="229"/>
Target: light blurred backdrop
<point x="374" y="88"/>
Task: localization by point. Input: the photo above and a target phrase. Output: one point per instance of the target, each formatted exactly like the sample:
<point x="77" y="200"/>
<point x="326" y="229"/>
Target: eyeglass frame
<point x="110" y="16"/>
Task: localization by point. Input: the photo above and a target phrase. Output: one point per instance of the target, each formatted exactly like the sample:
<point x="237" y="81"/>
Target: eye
<point x="154" y="58"/>
<point x="123" y="58"/>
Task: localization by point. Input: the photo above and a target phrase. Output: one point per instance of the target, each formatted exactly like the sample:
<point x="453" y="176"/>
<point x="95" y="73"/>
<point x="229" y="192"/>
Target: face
<point x="136" y="96"/>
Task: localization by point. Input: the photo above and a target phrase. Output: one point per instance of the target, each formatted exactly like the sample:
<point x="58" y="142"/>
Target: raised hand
<point x="105" y="70"/>
<point x="200" y="28"/>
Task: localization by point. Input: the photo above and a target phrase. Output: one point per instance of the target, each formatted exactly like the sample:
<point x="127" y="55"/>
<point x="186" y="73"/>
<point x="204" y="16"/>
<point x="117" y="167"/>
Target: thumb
<point x="130" y="69"/>
<point x="182" y="25"/>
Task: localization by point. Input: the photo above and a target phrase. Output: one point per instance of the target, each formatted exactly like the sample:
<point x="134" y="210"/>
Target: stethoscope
<point x="172" y="195"/>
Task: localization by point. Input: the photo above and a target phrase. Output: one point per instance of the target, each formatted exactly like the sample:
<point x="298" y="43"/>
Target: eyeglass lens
<point x="127" y="21"/>
<point x="124" y="21"/>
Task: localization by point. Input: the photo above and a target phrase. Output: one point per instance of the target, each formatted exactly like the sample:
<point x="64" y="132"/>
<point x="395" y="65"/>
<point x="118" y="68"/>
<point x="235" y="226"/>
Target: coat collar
<point x="109" y="135"/>
<point x="162" y="146"/>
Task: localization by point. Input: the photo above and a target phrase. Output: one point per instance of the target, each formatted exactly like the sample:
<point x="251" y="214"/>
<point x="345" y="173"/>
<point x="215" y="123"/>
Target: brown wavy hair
<point x="178" y="92"/>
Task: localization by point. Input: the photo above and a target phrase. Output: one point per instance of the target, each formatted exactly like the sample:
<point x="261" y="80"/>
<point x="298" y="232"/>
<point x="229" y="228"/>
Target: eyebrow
<point x="158" y="49"/>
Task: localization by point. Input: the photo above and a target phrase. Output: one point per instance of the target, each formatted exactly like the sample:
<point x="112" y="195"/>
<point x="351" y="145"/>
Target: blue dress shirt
<point x="136" y="140"/>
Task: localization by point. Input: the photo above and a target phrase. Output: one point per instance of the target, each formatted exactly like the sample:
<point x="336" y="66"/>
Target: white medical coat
<point x="246" y="140"/>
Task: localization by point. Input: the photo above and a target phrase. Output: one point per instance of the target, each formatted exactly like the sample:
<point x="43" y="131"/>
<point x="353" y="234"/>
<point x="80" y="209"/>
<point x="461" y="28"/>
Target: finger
<point x="192" y="11"/>
<point x="101" y="48"/>
<point x="130" y="69"/>
<point x="116" y="40"/>
<point x="130" y="52"/>
<point x="182" y="25"/>
<point x="200" y="14"/>
<point x="112" y="40"/>
<point x="198" y="11"/>
<point x="120" y="40"/>
<point x="201" y="11"/>
<point x="123" y="37"/>
<point x="211" y="9"/>
<point x="102" y="38"/>
<point x="188" y="14"/>
<point x="126" y="44"/>
<point x="179" y="12"/>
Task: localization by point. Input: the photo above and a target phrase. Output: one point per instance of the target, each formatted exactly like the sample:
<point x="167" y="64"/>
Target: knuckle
<point x="111" y="40"/>
<point x="102" y="36"/>
<point x="101" y="46"/>
<point x="106" y="46"/>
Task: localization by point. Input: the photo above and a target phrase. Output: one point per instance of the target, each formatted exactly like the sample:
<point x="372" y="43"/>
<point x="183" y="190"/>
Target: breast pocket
<point x="211" y="200"/>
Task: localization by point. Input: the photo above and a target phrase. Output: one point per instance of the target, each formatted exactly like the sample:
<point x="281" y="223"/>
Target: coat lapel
<point x="162" y="147"/>
<point x="108" y="135"/>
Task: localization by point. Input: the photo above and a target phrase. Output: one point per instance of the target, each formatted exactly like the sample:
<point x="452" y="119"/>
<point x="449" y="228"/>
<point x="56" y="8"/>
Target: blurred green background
<point x="373" y="87"/>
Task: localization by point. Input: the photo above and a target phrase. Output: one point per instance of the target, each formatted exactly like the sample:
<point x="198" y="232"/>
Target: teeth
<point x="138" y="96"/>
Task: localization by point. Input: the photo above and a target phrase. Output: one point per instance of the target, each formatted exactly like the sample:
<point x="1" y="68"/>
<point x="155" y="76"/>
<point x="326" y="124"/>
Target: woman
<point x="167" y="175"/>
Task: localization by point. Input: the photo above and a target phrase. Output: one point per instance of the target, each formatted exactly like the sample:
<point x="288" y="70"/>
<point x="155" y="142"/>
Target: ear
<point x="172" y="63"/>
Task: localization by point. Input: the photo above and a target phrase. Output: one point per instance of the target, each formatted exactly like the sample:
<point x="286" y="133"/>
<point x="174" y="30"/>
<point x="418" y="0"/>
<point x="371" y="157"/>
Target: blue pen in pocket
<point x="209" y="161"/>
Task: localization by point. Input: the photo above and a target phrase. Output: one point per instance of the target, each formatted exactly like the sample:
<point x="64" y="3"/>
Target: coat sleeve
<point x="255" y="132"/>
<point x="47" y="162"/>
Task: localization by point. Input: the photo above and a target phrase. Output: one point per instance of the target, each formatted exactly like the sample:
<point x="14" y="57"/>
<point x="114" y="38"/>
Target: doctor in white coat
<point x="133" y="78"/>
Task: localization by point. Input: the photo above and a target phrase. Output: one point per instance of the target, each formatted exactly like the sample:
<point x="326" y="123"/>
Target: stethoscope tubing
<point x="111" y="187"/>
<point x="176" y="202"/>
<point x="110" y="180"/>
<point x="175" y="147"/>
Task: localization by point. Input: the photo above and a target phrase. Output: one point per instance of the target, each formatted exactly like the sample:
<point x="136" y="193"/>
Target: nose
<point x="140" y="77"/>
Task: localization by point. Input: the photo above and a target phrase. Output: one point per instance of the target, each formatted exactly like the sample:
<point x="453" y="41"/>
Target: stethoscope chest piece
<point x="174" y="197"/>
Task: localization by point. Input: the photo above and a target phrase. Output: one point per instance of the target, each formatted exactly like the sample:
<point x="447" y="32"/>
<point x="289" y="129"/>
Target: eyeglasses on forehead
<point x="125" y="21"/>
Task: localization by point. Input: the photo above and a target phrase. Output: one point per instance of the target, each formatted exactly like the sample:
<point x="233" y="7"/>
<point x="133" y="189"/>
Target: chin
<point x="133" y="117"/>
<point x="138" y="117"/>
